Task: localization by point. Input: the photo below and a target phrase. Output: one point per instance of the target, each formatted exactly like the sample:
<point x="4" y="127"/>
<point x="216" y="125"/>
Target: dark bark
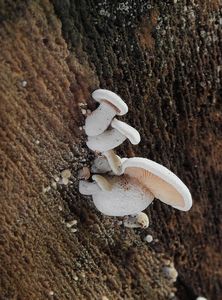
<point x="164" y="59"/>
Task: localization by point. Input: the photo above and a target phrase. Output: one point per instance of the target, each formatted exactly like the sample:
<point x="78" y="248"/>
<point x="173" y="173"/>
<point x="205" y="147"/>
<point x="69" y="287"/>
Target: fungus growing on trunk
<point x="131" y="193"/>
<point x="110" y="139"/>
<point x="124" y="198"/>
<point x="110" y="106"/>
<point x="160" y="181"/>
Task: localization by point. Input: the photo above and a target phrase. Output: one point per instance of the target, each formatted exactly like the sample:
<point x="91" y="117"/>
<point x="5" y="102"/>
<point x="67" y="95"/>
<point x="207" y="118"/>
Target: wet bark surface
<point x="164" y="60"/>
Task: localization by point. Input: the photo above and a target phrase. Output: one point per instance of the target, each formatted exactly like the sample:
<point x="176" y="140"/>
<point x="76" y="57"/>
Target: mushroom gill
<point x="158" y="187"/>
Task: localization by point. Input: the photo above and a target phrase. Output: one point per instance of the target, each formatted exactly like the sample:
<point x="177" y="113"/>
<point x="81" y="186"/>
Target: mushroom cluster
<point x="128" y="185"/>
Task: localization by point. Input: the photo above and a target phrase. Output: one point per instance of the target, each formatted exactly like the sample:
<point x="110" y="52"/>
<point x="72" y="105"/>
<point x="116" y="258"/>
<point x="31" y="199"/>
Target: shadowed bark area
<point x="164" y="59"/>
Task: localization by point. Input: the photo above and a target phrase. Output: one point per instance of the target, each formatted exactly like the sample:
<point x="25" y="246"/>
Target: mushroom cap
<point x="160" y="181"/>
<point x="112" y="138"/>
<point x="125" y="198"/>
<point x="108" y="140"/>
<point x="131" y="133"/>
<point x="108" y="96"/>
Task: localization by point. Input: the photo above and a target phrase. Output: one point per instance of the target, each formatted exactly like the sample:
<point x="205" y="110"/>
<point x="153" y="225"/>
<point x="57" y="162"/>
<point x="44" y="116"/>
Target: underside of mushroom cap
<point x="106" y="95"/>
<point x="162" y="183"/>
<point x="125" y="198"/>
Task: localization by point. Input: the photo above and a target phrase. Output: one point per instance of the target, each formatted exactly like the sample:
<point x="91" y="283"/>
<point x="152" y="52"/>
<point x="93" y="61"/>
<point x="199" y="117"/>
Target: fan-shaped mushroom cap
<point x="112" y="138"/>
<point x="101" y="95"/>
<point x="160" y="181"/>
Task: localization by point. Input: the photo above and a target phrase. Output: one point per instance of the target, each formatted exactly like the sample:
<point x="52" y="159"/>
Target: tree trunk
<point x="164" y="59"/>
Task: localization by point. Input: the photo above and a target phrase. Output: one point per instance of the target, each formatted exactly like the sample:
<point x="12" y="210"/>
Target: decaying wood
<point x="164" y="59"/>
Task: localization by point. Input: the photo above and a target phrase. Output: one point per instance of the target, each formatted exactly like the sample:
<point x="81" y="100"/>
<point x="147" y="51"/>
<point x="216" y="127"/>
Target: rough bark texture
<point x="164" y="58"/>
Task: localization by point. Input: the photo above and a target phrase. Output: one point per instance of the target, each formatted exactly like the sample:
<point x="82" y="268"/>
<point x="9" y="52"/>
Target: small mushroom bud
<point x="148" y="238"/>
<point x="141" y="220"/>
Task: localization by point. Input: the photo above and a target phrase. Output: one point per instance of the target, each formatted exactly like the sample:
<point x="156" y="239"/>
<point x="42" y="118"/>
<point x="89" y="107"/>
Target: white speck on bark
<point x="66" y="174"/>
<point x="148" y="238"/>
<point x="24" y="83"/>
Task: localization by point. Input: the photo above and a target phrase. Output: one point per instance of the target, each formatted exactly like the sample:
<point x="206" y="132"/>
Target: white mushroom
<point x="110" y="139"/>
<point x="142" y="180"/>
<point x="110" y="105"/>
<point x="127" y="131"/>
<point x="126" y="196"/>
<point x="140" y="220"/>
<point x="160" y="181"/>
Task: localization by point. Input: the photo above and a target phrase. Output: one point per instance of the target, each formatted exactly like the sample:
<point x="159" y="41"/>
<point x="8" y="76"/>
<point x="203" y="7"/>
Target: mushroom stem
<point x="128" y="131"/>
<point x="98" y="121"/>
<point x="88" y="188"/>
<point x="114" y="162"/>
<point x="102" y="182"/>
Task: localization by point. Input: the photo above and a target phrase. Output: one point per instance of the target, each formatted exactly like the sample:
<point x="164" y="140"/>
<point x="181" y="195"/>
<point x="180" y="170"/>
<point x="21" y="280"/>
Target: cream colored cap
<point x="161" y="182"/>
<point x="102" y="94"/>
